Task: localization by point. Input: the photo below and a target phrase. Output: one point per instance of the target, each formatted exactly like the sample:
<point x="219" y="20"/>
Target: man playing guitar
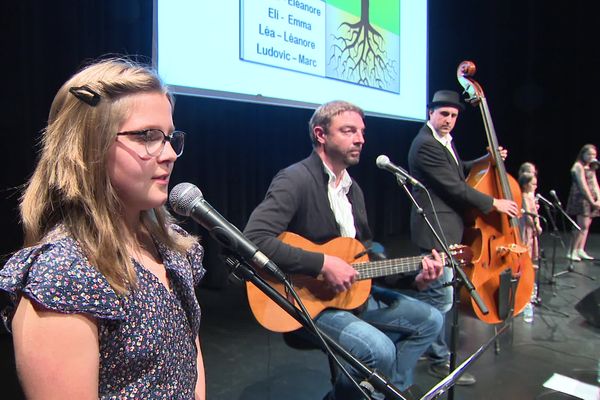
<point x="317" y="199"/>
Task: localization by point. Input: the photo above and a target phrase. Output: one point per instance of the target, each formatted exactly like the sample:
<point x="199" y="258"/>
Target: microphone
<point x="187" y="200"/>
<point x="555" y="197"/>
<point x="384" y="162"/>
<point x="544" y="200"/>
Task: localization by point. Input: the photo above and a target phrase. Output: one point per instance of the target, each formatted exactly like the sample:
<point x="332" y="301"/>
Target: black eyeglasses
<point x="154" y="140"/>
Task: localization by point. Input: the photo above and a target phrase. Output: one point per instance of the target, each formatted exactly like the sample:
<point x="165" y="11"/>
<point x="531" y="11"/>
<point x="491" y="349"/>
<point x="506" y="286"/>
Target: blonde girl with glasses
<point x="102" y="301"/>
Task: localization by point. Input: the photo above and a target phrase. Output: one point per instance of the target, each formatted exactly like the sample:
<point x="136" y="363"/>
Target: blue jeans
<point x="389" y="335"/>
<point x="441" y="298"/>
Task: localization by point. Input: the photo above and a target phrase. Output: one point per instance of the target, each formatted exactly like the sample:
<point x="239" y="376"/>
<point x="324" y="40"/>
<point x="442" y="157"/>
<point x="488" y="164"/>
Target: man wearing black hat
<point x="434" y="161"/>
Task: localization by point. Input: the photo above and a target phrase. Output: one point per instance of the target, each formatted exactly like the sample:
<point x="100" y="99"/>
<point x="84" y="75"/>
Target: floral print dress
<point x="146" y="338"/>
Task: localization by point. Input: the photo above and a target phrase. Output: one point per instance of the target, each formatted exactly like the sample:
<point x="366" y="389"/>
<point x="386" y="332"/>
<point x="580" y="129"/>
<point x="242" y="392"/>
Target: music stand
<point x="449" y="381"/>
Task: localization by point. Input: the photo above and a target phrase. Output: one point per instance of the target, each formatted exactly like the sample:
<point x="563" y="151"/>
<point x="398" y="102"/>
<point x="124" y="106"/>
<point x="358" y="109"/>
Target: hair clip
<point x="85" y="94"/>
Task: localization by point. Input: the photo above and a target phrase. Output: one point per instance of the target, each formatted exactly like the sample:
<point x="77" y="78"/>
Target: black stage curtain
<point x="534" y="63"/>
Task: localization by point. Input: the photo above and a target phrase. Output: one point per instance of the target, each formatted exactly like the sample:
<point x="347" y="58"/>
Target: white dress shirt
<point x="446" y="141"/>
<point x="339" y="203"/>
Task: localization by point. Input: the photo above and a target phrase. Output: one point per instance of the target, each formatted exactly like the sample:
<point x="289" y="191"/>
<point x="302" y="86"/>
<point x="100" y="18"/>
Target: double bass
<point x="494" y="238"/>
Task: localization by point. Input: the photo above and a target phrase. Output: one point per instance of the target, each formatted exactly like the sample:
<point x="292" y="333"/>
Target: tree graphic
<point x="358" y="53"/>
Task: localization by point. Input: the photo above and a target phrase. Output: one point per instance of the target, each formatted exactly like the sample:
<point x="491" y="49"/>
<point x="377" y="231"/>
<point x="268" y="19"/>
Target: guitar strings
<point x="371" y="269"/>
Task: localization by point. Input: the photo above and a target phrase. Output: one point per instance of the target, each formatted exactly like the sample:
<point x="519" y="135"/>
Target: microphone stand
<point x="538" y="298"/>
<point x="537" y="301"/>
<point x="555" y="238"/>
<point x="459" y="278"/>
<point x="570" y="268"/>
<point x="239" y="267"/>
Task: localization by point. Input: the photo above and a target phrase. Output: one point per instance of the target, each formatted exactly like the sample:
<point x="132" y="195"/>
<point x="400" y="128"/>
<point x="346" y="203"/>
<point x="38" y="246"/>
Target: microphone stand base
<point x="571" y="268"/>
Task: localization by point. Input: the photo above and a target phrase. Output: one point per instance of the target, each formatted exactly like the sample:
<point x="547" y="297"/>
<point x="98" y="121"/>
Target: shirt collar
<point x="345" y="183"/>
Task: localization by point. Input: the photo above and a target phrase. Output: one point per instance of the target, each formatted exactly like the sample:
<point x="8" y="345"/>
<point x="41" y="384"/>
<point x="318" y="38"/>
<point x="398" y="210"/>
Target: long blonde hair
<point x="70" y="186"/>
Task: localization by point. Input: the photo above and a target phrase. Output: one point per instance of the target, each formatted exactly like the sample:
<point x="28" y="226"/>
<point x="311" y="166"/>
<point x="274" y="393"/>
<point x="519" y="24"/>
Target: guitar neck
<point x="377" y="269"/>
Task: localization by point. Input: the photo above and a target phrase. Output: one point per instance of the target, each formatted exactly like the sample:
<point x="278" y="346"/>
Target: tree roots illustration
<point x="359" y="55"/>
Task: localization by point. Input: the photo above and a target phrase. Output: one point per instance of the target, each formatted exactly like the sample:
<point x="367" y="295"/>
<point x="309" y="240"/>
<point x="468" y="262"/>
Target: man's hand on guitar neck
<point x="338" y="274"/>
<point x="433" y="268"/>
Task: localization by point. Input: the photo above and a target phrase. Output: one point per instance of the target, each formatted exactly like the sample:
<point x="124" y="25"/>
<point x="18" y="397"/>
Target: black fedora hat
<point x="443" y="98"/>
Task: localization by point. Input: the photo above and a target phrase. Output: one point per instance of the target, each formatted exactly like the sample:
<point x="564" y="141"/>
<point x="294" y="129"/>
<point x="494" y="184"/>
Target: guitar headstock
<point x="461" y="253"/>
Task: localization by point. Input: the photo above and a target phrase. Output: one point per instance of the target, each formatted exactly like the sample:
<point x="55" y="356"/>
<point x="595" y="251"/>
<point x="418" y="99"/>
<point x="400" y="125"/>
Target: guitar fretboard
<point x="376" y="269"/>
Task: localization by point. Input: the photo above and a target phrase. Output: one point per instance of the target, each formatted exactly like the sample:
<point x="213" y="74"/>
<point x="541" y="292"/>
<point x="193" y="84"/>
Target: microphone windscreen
<point x="382" y="161"/>
<point x="182" y="198"/>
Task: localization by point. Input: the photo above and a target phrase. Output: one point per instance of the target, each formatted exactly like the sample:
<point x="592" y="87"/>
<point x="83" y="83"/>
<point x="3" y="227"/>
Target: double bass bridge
<point x="511" y="248"/>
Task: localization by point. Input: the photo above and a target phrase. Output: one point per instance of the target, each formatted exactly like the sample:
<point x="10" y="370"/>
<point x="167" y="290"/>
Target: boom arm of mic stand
<point x="559" y="208"/>
<point x="555" y="237"/>
<point x="551" y="218"/>
<point x="377" y="380"/>
<point x="461" y="274"/>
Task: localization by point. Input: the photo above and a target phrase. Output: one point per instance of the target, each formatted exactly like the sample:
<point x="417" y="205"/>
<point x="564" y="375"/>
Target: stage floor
<point x="246" y="362"/>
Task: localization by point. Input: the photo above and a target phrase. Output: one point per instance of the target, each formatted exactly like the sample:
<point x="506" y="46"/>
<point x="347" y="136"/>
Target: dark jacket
<point x="297" y="202"/>
<point x="433" y="165"/>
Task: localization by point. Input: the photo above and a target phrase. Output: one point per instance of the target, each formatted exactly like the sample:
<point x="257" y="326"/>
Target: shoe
<point x="583" y="255"/>
<point x="443" y="370"/>
<point x="573" y="256"/>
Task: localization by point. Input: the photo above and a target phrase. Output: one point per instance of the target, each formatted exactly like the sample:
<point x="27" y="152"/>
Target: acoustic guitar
<point x="316" y="295"/>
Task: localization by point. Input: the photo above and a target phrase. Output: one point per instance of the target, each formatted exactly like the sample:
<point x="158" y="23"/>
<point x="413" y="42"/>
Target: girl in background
<point x="530" y="223"/>
<point x="584" y="199"/>
<point x="528" y="167"/>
